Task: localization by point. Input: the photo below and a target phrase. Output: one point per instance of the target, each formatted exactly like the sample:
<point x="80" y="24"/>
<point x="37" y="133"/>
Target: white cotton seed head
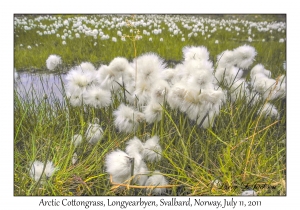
<point x="152" y="149"/>
<point x="159" y="92"/>
<point x="118" y="165"/>
<point x="119" y="66"/>
<point x="226" y="59"/>
<point x="87" y="66"/>
<point x="36" y="170"/>
<point x="195" y="53"/>
<point x="127" y="119"/>
<point x="53" y="61"/>
<point x="94" y="133"/>
<point x="153" y="112"/>
<point x="96" y="97"/>
<point x="156" y="180"/>
<point x="76" y="140"/>
<point x="49" y="169"/>
<point x="134" y="146"/>
<point x="244" y="56"/>
<point x="270" y="110"/>
<point x="141" y="174"/>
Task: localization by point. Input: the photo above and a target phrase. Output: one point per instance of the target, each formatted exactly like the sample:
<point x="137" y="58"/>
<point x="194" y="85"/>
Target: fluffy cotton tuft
<point x="118" y="165"/>
<point x="195" y="53"/>
<point x="153" y="112"/>
<point x="156" y="180"/>
<point x="76" y="140"/>
<point x="36" y="170"/>
<point x="87" y="66"/>
<point x="152" y="149"/>
<point x="127" y="119"/>
<point x="270" y="110"/>
<point x="244" y="56"/>
<point x="134" y="146"/>
<point x="96" y="97"/>
<point x="119" y="66"/>
<point x="53" y="61"/>
<point x="94" y="133"/>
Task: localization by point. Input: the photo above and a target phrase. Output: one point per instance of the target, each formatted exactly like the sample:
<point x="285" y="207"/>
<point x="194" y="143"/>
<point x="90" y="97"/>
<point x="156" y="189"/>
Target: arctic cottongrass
<point x="127" y="119"/>
<point x="53" y="61"/>
<point x="36" y="170"/>
<point x="96" y="97"/>
<point x="76" y="140"/>
<point x="269" y="110"/>
<point x="152" y="149"/>
<point x="153" y="112"/>
<point x="118" y="165"/>
<point x="134" y="146"/>
<point x="195" y="53"/>
<point x="94" y="133"/>
<point x="156" y="180"/>
<point x="244" y="56"/>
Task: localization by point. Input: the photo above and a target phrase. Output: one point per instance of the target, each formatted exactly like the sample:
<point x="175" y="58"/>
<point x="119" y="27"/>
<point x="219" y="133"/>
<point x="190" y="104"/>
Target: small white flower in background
<point x="281" y="40"/>
<point x="249" y="193"/>
<point x="123" y="38"/>
<point x="182" y="39"/>
<point x="249" y="39"/>
<point x="284" y="65"/>
<point x="95" y="43"/>
<point x="53" y="61"/>
<point x="217" y="42"/>
<point x="94" y="132"/>
<point x="263" y="40"/>
<point x="150" y="39"/>
<point x="64" y="42"/>
<point x="77" y="139"/>
<point x="156" y="180"/>
<point x="77" y="35"/>
<point x="21" y="45"/>
<point x="161" y="39"/>
<point x="29" y="47"/>
<point x="114" y="39"/>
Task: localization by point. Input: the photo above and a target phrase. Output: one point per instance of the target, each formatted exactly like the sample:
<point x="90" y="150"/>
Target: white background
<point x="9" y="8"/>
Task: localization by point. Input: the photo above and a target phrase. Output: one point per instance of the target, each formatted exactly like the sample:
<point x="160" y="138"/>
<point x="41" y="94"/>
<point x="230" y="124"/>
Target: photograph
<point x="168" y="105"/>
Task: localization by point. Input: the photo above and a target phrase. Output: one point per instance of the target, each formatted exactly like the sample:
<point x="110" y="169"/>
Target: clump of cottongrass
<point x="118" y="165"/>
<point x="40" y="171"/>
<point x="94" y="132"/>
<point x="195" y="53"/>
<point x="259" y="68"/>
<point x="269" y="110"/>
<point x="134" y="146"/>
<point x="87" y="66"/>
<point x="76" y="140"/>
<point x="141" y="175"/>
<point x="53" y="61"/>
<point x="226" y="59"/>
<point x="119" y="66"/>
<point x="153" y="112"/>
<point x="75" y="96"/>
<point x="77" y="78"/>
<point x="74" y="158"/>
<point x="96" y="97"/>
<point x="127" y="119"/>
<point x="244" y="56"/>
<point x="152" y="149"/>
<point x="157" y="179"/>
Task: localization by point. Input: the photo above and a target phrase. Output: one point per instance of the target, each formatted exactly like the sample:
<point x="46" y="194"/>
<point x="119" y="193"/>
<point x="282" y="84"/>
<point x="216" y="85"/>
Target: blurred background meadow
<point x="242" y="147"/>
